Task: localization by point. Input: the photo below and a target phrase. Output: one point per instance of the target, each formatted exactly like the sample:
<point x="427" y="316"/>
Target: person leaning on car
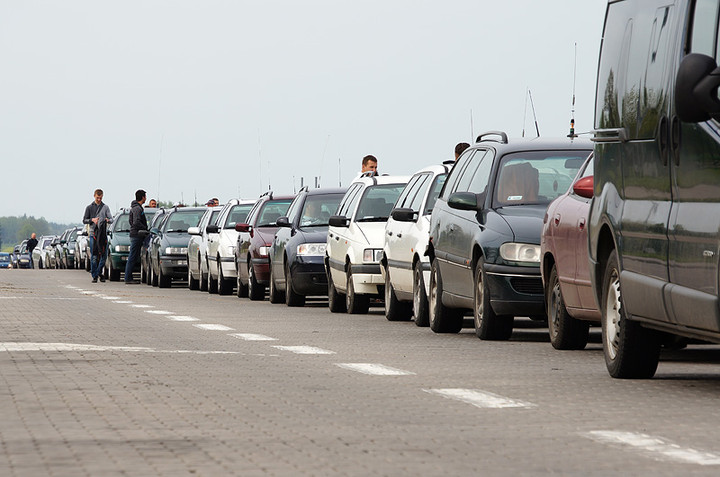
<point x="138" y="232"/>
<point x="98" y="216"/>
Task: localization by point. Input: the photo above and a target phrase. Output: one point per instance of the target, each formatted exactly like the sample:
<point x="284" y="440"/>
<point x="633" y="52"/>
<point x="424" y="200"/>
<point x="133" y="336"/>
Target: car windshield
<point x="45" y="243"/>
<point x="377" y="202"/>
<point x="318" y="209"/>
<point x="238" y="215"/>
<point x="73" y="235"/>
<point x="182" y="220"/>
<point x="122" y="223"/>
<point x="271" y="211"/>
<point x="536" y="177"/>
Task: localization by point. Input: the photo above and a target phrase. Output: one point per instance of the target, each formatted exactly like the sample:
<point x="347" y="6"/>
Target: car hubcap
<point x="251" y="277"/>
<point x="433" y="295"/>
<point x="554" y="306"/>
<point x="416" y="290"/>
<point x="479" y="301"/>
<point x="612" y="316"/>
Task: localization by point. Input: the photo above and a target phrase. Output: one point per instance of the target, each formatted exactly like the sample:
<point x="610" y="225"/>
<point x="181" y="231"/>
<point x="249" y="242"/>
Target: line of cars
<point x="51" y="251"/>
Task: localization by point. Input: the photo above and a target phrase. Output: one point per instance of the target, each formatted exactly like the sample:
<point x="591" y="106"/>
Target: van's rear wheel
<point x="631" y="351"/>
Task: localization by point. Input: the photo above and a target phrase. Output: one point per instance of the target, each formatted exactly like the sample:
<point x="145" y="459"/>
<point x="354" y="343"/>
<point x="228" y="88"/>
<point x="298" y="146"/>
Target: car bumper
<point x="228" y="267"/>
<point x="175" y="267"/>
<point x="515" y="290"/>
<point x="308" y="276"/>
<point x="367" y="279"/>
<point x="261" y="266"/>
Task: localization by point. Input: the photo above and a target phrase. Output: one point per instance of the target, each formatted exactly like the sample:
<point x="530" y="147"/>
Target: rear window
<point x="377" y="202"/>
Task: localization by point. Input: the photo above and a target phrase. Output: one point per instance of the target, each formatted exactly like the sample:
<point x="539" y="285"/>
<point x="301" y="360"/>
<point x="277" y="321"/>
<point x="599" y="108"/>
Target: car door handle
<point x="389" y="233"/>
<point x="556" y="219"/>
<point x="331" y="235"/>
<point x="581" y="223"/>
<point x="399" y="235"/>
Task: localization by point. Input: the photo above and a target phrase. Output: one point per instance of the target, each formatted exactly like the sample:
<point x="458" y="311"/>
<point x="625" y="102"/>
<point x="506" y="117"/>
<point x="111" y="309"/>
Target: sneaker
<point x="102" y="278"/>
<point x="94" y="279"/>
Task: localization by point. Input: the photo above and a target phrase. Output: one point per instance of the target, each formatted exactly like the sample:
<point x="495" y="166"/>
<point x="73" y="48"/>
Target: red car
<point x="565" y="264"/>
<point x="252" y="261"/>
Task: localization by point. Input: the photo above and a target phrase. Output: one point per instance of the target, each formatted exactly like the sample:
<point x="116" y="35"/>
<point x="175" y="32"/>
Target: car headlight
<point x="520" y="252"/>
<point x="176" y="251"/>
<point x="312" y="249"/>
<point x="122" y="248"/>
<point x="264" y="250"/>
<point x="371" y="254"/>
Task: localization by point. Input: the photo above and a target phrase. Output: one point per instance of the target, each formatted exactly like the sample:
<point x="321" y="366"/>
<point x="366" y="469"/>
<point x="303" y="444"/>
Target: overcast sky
<point x="225" y="98"/>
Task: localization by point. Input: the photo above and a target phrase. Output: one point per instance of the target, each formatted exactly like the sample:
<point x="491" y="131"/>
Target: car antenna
<point x="472" y="129"/>
<point x="532" y="105"/>
<point x="525" y="112"/>
<point x="572" y="109"/>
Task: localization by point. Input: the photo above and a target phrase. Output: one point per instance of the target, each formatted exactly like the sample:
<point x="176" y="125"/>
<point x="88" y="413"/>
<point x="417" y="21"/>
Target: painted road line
<point x="111" y="298"/>
<point x="304" y="350"/>
<point x="477" y="398"/>
<point x="654" y="447"/>
<point x="212" y="327"/>
<point x="159" y="312"/>
<point x="88" y="292"/>
<point x="374" y="369"/>
<point x="252" y="337"/>
<point x="65" y="347"/>
<point x="182" y="318"/>
<point x="71" y="287"/>
<point x="141" y="306"/>
<point x="123" y="301"/>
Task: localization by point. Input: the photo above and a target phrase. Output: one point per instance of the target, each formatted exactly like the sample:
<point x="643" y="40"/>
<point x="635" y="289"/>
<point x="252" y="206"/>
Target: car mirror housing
<point x="194" y="230"/>
<point x="584" y="187"/>
<point x="464" y="201"/>
<point x="404" y="215"/>
<point x="339" y="221"/>
<point x="212" y="229"/>
<point x="243" y="227"/>
<point x="696" y="85"/>
<point x="155" y="231"/>
<point x="282" y="222"/>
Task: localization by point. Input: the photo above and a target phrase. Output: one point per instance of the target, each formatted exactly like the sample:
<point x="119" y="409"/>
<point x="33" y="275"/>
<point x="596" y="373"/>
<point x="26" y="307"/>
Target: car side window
<point x="295" y="206"/>
<point x="464" y="181"/>
<point x="703" y="30"/>
<point x="455" y="173"/>
<point x="417" y="199"/>
<point x="481" y="178"/>
<point x="407" y="192"/>
<point x="351" y="198"/>
<point x="434" y="193"/>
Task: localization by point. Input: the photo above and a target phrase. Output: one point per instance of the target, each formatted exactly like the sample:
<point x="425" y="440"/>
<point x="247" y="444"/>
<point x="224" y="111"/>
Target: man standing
<point x="152" y="203"/>
<point x="138" y="232"/>
<point x="97" y="215"/>
<point x="369" y="164"/>
<point x="460" y="148"/>
<point x="31" y="244"/>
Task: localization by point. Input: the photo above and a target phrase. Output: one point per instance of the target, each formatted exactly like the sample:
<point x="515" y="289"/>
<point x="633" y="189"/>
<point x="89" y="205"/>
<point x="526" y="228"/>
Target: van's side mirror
<point x="465" y="201"/>
<point x="282" y="222"/>
<point x="402" y="214"/>
<point x="339" y="221"/>
<point x="584" y="187"/>
<point x="696" y="88"/>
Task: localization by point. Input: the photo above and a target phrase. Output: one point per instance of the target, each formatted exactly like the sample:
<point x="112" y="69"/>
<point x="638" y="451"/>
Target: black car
<point x="168" y="247"/>
<point x="485" y="229"/>
<point x="67" y="248"/>
<point x="155" y="223"/>
<point x="297" y="253"/>
<point x="22" y="255"/>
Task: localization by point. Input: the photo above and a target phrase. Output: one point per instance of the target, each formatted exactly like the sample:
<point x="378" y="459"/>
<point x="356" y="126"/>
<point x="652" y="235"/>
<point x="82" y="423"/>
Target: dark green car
<point x="119" y="244"/>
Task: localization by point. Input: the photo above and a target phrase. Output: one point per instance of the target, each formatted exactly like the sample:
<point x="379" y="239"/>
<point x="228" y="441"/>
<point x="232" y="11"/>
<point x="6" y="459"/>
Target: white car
<point x="43" y="255"/>
<point x="222" y="273"/>
<point x="355" y="241"/>
<point x="198" y="277"/>
<point x="405" y="267"/>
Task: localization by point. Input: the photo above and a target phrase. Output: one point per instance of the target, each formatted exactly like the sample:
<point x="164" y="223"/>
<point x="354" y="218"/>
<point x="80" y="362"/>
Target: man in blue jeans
<point x="138" y="232"/>
<point x="97" y="216"/>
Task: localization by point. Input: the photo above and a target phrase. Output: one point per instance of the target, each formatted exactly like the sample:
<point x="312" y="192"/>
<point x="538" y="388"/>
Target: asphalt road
<point x="109" y="379"/>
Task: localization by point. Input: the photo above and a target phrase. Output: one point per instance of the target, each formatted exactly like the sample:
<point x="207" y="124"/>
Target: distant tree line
<point x="14" y="230"/>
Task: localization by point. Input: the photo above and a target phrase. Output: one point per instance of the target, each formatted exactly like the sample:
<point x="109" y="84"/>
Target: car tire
<point x="488" y="324"/>
<point x="87" y="264"/>
<point x="565" y="331"/>
<point x="164" y="281"/>
<point x="441" y="318"/>
<point x="275" y="295"/>
<point x="241" y="289"/>
<point x="212" y="284"/>
<point x="420" y="300"/>
<point x="355" y="304"/>
<point x="291" y="297"/>
<point x="256" y="291"/>
<point x="395" y="310"/>
<point x="193" y="283"/>
<point x="40" y="264"/>
<point x="630" y="350"/>
<point x="114" y="273"/>
<point x="203" y="277"/>
<point x="154" y="281"/>
<point x="336" y="300"/>
<point x="224" y="285"/>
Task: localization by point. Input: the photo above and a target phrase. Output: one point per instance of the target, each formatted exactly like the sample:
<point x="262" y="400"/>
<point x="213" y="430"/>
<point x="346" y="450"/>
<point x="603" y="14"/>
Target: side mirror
<point x="464" y="201"/>
<point x="282" y="222"/>
<point x="212" y="229"/>
<point x="584" y="187"/>
<point x="243" y="227"/>
<point x="404" y="215"/>
<point x="339" y="221"/>
<point x="194" y="231"/>
<point x="696" y="88"/>
<point x="155" y="231"/>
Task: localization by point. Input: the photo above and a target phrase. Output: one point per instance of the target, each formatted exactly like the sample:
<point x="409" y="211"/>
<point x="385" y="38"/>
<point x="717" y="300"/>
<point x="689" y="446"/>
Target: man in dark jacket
<point x="138" y="231"/>
<point x="97" y="216"/>
<point x="31" y="244"/>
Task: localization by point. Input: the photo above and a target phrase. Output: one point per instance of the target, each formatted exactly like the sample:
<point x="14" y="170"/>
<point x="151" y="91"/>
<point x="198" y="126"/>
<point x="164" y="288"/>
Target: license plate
<point x="182" y="262"/>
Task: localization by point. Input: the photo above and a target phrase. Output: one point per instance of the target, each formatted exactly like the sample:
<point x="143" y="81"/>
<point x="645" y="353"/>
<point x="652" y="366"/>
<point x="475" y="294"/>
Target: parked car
<point x="222" y="240"/>
<point x="355" y="241"/>
<point x="297" y="253"/>
<point x="252" y="264"/>
<point x="168" y="247"/>
<point x="404" y="265"/>
<point x="654" y="220"/>
<point x="14" y="256"/>
<point x="23" y="256"/>
<point x="40" y="252"/>
<point x="5" y="260"/>
<point x="197" y="250"/>
<point x="68" y="248"/>
<point x="119" y="244"/>
<point x="565" y="267"/>
<point x="155" y="223"/>
<point x="484" y="243"/>
<point x="58" y="248"/>
<point x="81" y="242"/>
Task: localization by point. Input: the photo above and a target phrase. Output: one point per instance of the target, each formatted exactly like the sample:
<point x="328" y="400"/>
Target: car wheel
<point x="291" y="297"/>
<point x="114" y="273"/>
<point x="203" y="277"/>
<point x="631" y="351"/>
<point x="193" y="283"/>
<point x="241" y="289"/>
<point x="441" y="318"/>
<point x="225" y="286"/>
<point x="255" y="290"/>
<point x="154" y="274"/>
<point x="488" y="324"/>
<point x="395" y="310"/>
<point x="355" y="304"/>
<point x="212" y="284"/>
<point x="164" y="281"/>
<point x="143" y="273"/>
<point x="420" y="300"/>
<point x="565" y="331"/>
<point x="87" y="264"/>
<point x="336" y="300"/>
<point x="275" y="295"/>
<point x="40" y="264"/>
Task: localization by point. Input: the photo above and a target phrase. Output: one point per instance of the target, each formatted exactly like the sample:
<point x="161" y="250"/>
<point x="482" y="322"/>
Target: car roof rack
<point x="304" y="188"/>
<point x="268" y="193"/>
<point x="503" y="136"/>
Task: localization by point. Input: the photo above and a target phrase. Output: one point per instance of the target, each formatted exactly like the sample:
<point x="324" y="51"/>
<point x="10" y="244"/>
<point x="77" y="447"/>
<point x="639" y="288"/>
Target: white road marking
<point x="212" y="327"/>
<point x="183" y="318"/>
<point x="374" y="369"/>
<point x="88" y="292"/>
<point x="110" y="297"/>
<point x="122" y="301"/>
<point x="141" y="306"/>
<point x="71" y="287"/>
<point x="9" y="297"/>
<point x="159" y="312"/>
<point x="61" y="347"/>
<point x="304" y="349"/>
<point x="481" y="399"/>
<point x="655" y="447"/>
<point x="252" y="337"/>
